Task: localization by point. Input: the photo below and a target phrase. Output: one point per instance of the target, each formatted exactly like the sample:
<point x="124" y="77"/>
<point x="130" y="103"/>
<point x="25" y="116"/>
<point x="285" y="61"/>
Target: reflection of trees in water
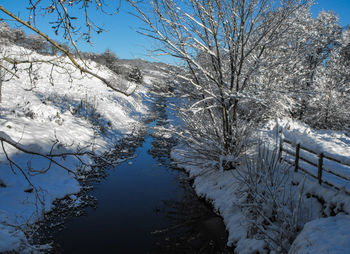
<point x="163" y="141"/>
<point x="195" y="228"/>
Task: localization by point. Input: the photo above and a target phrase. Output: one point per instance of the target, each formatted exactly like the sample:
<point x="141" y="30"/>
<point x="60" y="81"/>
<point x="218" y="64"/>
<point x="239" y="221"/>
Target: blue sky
<point x="122" y="38"/>
<point x="340" y="7"/>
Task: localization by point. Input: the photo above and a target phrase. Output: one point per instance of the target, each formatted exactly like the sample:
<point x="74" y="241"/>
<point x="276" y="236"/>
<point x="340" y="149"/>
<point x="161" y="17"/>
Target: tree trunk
<point x="225" y="126"/>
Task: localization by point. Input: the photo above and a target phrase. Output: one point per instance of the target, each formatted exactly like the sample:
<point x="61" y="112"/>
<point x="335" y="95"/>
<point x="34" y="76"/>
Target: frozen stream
<point x="144" y="206"/>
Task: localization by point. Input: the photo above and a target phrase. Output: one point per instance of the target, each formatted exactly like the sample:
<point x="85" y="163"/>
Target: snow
<point x="335" y="144"/>
<point x="325" y="235"/>
<point x="248" y="246"/>
<point x="81" y="113"/>
<point x="12" y="239"/>
<point x="222" y="190"/>
<point x="74" y="113"/>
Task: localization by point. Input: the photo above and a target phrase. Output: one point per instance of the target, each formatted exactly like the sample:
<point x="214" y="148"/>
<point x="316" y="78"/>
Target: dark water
<point x="144" y="206"/>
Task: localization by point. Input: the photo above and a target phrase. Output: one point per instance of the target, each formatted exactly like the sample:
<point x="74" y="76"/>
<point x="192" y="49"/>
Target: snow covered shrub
<point x="271" y="201"/>
<point x="88" y="109"/>
<point x="202" y="132"/>
<point x="135" y="75"/>
<point x="7" y="34"/>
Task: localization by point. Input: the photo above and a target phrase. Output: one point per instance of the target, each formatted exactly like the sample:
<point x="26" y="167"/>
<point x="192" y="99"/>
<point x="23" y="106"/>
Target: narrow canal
<point x="144" y="205"/>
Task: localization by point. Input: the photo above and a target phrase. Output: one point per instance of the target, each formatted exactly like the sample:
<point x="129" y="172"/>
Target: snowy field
<point x="54" y="111"/>
<point x="319" y="235"/>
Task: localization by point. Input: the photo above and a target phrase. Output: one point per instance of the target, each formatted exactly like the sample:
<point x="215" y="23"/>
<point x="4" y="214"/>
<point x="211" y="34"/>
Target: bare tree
<point x="66" y="23"/>
<point x="224" y="45"/>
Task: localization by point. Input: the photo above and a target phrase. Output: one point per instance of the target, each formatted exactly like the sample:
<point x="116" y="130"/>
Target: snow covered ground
<point x="54" y="110"/>
<point x="79" y="113"/>
<point x="334" y="144"/>
<point x="224" y="190"/>
<point x="325" y="235"/>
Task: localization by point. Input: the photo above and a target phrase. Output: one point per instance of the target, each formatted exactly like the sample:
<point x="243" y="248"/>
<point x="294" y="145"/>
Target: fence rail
<point x="319" y="165"/>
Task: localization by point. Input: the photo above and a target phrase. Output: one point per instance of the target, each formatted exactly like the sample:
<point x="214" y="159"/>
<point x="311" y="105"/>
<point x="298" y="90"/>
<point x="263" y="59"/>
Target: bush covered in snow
<point x="271" y="201"/>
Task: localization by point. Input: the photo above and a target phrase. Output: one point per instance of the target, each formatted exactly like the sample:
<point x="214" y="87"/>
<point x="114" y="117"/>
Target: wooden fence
<point x="319" y="165"/>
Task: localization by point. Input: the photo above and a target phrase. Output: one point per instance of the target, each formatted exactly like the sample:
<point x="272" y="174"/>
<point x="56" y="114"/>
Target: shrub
<point x="270" y="200"/>
<point x="135" y="75"/>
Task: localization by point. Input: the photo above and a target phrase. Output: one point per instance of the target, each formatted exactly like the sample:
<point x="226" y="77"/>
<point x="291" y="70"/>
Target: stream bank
<point x="143" y="205"/>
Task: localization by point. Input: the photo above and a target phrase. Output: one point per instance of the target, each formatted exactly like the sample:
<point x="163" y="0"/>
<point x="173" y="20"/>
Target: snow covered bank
<point x="325" y="235"/>
<point x="51" y="111"/>
<point x="308" y="201"/>
<point x="220" y="189"/>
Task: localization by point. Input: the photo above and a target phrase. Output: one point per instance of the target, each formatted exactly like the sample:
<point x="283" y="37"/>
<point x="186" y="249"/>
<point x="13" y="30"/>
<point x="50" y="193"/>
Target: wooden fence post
<point x="296" y="163"/>
<point x="320" y="166"/>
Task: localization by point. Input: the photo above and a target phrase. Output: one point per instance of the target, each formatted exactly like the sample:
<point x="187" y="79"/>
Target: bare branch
<point x="65" y="51"/>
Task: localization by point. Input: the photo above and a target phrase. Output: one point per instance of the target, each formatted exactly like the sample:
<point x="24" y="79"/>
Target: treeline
<point x="109" y="59"/>
<point x="34" y="42"/>
<point x="38" y="44"/>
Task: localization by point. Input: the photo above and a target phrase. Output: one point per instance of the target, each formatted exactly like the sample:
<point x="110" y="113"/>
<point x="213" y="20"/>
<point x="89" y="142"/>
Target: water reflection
<point x="194" y="227"/>
<point x="144" y="205"/>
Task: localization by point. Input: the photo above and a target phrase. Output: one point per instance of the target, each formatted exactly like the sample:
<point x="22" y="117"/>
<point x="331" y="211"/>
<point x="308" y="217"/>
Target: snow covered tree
<point x="321" y="36"/>
<point x="109" y="57"/>
<point x="224" y="46"/>
<point x="330" y="106"/>
<point x="288" y="72"/>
